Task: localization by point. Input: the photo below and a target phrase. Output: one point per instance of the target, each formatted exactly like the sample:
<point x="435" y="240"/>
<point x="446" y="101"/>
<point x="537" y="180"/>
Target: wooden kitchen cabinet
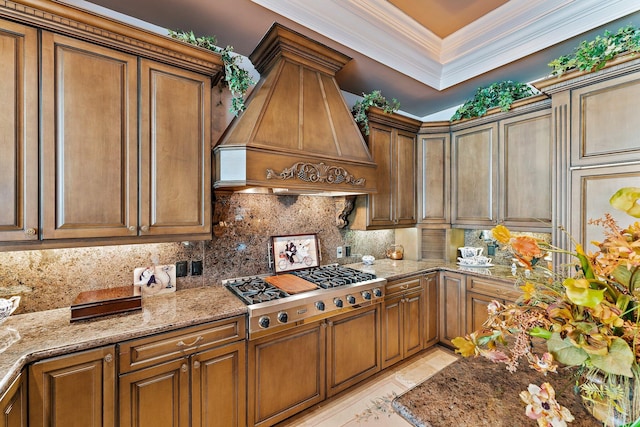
<point x="90" y="136"/>
<point x="525" y="171"/>
<point x="480" y="293"/>
<point x="124" y="121"/>
<point x="501" y="169"/>
<point x="185" y="377"/>
<point x="14" y="403"/>
<point x="175" y="151"/>
<point x="434" y="175"/>
<point x="392" y="143"/>
<point x="89" y="139"/>
<point x="452" y="290"/>
<point x="286" y="373"/>
<point x="474" y="176"/>
<point x="353" y="348"/>
<point x="76" y="390"/>
<point x="403" y="320"/>
<point x="431" y="332"/>
<point x="19" y="132"/>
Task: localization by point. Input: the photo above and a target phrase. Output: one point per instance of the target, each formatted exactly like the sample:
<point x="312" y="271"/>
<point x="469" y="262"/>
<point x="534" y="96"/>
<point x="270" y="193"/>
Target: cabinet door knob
<point x="196" y="341"/>
<point x="144" y="228"/>
<point x="108" y="358"/>
<point x="184" y="367"/>
<point x="30" y="231"/>
<point x="196" y="364"/>
<point x="132" y="228"/>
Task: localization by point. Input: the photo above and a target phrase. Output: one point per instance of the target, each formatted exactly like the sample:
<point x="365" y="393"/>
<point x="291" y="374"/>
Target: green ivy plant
<point x="500" y="94"/>
<point x="373" y="99"/>
<point x="593" y="55"/>
<point x="236" y="78"/>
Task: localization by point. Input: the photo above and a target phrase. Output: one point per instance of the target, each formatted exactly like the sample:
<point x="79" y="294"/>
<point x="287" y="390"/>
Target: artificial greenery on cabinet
<point x="499" y="94"/>
<point x="373" y="99"/>
<point x="236" y="78"/>
<point x="594" y="54"/>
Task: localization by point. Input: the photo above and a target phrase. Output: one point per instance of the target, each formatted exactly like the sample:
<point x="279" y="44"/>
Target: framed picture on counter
<point x="295" y="252"/>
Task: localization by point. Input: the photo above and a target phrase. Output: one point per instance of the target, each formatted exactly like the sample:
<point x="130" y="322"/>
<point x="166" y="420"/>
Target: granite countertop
<point x="392" y="269"/>
<point x="26" y="338"/>
<point x="477" y="392"/>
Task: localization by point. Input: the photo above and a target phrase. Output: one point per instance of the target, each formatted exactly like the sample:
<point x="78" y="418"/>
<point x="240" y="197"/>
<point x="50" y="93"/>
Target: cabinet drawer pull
<point x="196" y="364"/>
<point x="108" y="358"/>
<point x="404" y="286"/>
<point x="196" y="341"/>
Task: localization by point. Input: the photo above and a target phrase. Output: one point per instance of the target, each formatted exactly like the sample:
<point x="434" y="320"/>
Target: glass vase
<point x="613" y="400"/>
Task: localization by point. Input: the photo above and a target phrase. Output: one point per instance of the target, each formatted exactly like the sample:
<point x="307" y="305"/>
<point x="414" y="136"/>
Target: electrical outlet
<point x="196" y="268"/>
<point x="347" y="251"/>
<point x="339" y="252"/>
<point x="181" y="268"/>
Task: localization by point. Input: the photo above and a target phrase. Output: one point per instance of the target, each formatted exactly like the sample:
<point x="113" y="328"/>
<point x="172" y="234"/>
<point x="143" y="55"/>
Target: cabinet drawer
<point x="404" y="285"/>
<point x="493" y="288"/>
<point x="149" y="351"/>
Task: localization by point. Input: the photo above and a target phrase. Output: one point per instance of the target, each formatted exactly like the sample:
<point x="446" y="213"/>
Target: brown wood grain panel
<point x="89" y="118"/>
<point x="18" y="132"/>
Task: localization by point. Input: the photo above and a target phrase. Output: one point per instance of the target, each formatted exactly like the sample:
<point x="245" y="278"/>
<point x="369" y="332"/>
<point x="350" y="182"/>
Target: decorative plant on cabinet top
<point x="373" y="99"/>
<point x="236" y="78"/>
<point x="499" y="94"/>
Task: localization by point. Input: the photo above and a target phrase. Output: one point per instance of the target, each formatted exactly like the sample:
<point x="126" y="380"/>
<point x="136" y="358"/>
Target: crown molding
<point x="511" y="32"/>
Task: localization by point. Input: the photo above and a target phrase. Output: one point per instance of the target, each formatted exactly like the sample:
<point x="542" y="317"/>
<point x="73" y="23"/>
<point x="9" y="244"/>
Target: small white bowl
<point x="368" y="259"/>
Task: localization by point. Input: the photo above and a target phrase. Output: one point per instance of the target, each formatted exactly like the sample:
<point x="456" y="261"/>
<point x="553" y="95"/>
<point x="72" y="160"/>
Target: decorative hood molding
<point x="297" y="135"/>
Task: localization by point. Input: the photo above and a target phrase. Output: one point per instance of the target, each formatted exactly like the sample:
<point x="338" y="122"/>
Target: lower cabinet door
<point x="413" y="307"/>
<point x="392" y="331"/>
<point x="218" y="387"/>
<point x="353" y="348"/>
<point x="477" y="312"/>
<point x="431" y="309"/>
<point x="156" y="397"/>
<point x="286" y="373"/>
<point x="14" y="404"/>
<point x="77" y="390"/>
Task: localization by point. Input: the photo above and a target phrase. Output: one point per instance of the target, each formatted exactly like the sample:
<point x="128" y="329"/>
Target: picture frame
<point x="295" y="252"/>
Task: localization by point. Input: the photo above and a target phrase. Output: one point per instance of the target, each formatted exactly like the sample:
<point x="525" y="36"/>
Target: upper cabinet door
<point x="382" y="150"/>
<point x="405" y="178"/>
<point x="603" y="122"/>
<point x="433" y="182"/>
<point x="525" y="171"/>
<point x="474" y="172"/>
<point x="175" y="157"/>
<point x="18" y="132"/>
<point x="89" y="140"/>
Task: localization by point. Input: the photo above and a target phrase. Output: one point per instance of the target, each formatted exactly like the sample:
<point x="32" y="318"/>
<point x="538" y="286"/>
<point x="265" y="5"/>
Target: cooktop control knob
<point x="366" y="294"/>
<point x="351" y="299"/>
<point x="337" y="302"/>
<point x="320" y="305"/>
<point x="377" y="292"/>
<point x="264" y="322"/>
<point x="283" y="317"/>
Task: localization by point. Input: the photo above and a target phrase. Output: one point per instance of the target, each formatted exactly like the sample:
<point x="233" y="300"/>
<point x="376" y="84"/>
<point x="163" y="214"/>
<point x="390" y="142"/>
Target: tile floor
<point x="369" y="404"/>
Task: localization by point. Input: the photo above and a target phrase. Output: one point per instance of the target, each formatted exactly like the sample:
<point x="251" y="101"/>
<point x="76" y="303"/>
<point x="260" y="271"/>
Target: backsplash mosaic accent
<point x="244" y="223"/>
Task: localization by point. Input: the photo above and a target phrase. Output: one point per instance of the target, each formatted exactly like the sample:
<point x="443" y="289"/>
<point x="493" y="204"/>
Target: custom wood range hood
<point x="297" y="135"/>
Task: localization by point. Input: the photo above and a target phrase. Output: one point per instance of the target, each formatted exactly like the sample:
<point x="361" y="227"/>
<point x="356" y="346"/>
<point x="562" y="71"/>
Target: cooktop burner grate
<point x="254" y="290"/>
<point x="333" y="276"/>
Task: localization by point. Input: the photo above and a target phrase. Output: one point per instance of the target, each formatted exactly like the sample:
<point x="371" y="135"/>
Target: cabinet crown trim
<point x="75" y="22"/>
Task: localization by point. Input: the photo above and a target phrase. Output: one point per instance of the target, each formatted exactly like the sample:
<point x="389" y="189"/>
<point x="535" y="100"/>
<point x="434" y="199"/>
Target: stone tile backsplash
<point x="47" y="279"/>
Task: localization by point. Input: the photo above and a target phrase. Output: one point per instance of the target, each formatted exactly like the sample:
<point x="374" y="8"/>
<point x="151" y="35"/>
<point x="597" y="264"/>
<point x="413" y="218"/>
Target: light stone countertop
<point x="50" y="333"/>
<point x="30" y="337"/>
